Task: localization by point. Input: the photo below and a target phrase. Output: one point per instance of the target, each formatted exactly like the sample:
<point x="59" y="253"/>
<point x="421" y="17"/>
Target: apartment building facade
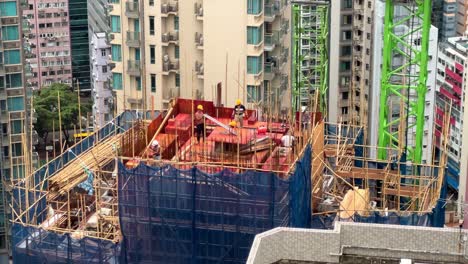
<point x="462" y="17"/>
<point x="101" y="74"/>
<point x="14" y="101"/>
<point x="444" y="17"/>
<point x="351" y="74"/>
<point x="212" y="50"/>
<point x="49" y="55"/>
<point x="451" y="88"/>
<point x="100" y="66"/>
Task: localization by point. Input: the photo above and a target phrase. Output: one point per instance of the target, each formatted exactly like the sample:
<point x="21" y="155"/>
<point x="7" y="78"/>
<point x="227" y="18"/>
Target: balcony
<point x="357" y="37"/>
<point x="132" y="10"/>
<point x="26" y="27"/>
<point x="169" y="9"/>
<point x="170" y="66"/>
<point x="272" y="9"/>
<point x="199" y="40"/>
<point x="199" y="69"/>
<point x="2" y="69"/>
<point x="170" y="38"/>
<point x="284" y="26"/>
<point x="3" y="94"/>
<point x="270" y="70"/>
<point x="133" y="39"/>
<point x="133" y="67"/>
<point x="271" y="40"/>
<point x="199" y="11"/>
<point x="9" y="21"/>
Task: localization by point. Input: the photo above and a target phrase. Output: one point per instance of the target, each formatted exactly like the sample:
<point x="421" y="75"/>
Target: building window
<point x="10" y="33"/>
<point x="11" y="57"/>
<point x="346" y="50"/>
<point x="137" y="54"/>
<point x="177" y="80"/>
<point x="254" y="35"/>
<point x="152" y="54"/>
<point x="347" y="4"/>
<point x="16" y="127"/>
<point x="16" y="150"/>
<point x="103" y="52"/>
<point x="117" y="81"/>
<point x="15" y="103"/>
<point x="254" y="7"/>
<point x="254" y="64"/>
<point x="138" y="83"/>
<point x="345" y="66"/>
<point x="115" y="24"/>
<point x="151" y="2"/>
<point x="176" y="23"/>
<point x="253" y="94"/>
<point x="176" y="52"/>
<point x="345" y="95"/>
<point x="104" y="69"/>
<point x="116" y="51"/>
<point x="151" y="25"/>
<point x="13" y="80"/>
<point x="153" y="83"/>
<point x="8" y="8"/>
<point x="114" y="1"/>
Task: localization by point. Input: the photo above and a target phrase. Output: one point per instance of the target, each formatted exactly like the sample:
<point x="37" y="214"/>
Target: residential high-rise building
<point x="444" y="17"/>
<point x="14" y="101"/>
<point x="100" y="66"/>
<point x="49" y="55"/>
<point x="226" y="50"/>
<point x="462" y="17"/>
<point x="350" y="59"/>
<point x="451" y="87"/>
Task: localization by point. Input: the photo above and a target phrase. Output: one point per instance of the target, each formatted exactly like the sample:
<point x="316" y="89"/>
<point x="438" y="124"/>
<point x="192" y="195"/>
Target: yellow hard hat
<point x="233" y="123"/>
<point x="238" y="102"/>
<point x="200" y="107"/>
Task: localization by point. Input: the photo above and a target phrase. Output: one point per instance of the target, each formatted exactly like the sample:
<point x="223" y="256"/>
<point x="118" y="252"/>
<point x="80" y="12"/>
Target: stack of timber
<point x="75" y="172"/>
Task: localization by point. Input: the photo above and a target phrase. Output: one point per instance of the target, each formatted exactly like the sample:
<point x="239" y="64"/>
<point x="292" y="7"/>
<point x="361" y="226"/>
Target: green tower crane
<point x="315" y="34"/>
<point x="400" y="84"/>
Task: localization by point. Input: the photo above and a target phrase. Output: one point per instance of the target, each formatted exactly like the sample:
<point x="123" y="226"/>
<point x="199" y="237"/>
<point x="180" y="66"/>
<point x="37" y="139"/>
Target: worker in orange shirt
<point x="199" y="123"/>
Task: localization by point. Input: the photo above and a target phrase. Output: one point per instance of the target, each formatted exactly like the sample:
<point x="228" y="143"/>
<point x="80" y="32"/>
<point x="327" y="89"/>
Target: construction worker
<point x="199" y="123"/>
<point x="288" y="140"/>
<point x="239" y="112"/>
<point x="232" y="125"/>
<point x="156" y="149"/>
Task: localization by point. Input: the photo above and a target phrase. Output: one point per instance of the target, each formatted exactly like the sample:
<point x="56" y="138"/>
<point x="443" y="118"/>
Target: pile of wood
<point x="75" y="172"/>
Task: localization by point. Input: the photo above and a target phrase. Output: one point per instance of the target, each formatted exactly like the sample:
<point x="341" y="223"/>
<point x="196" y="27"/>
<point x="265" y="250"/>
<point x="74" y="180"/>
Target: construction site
<point x="110" y="199"/>
<point x="107" y="199"/>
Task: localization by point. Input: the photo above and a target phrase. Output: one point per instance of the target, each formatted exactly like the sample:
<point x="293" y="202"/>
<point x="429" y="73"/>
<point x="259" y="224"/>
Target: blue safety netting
<point x="187" y="216"/>
<point x="182" y="216"/>
<point x="37" y="246"/>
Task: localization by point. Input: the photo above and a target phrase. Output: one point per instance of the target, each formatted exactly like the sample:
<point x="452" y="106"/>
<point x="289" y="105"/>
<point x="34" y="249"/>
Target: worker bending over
<point x="288" y="140"/>
<point x="156" y="149"/>
<point x="239" y="112"/>
<point x="199" y="124"/>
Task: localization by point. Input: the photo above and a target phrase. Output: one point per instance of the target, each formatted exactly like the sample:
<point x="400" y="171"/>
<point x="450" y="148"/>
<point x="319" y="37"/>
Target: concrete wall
<point x="371" y="240"/>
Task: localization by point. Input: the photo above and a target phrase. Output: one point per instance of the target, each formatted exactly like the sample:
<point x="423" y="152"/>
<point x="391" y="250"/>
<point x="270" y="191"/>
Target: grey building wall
<point x="393" y="242"/>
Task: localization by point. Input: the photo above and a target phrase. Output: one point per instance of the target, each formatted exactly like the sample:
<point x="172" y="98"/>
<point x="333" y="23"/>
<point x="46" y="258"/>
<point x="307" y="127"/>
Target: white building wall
<point x="333" y="98"/>
<point x="101" y="74"/>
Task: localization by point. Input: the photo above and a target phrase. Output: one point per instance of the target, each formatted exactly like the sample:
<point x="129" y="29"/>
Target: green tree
<point x="47" y="110"/>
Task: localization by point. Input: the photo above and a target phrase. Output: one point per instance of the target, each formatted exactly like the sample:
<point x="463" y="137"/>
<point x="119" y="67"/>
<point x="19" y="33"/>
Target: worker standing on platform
<point x="239" y="112"/>
<point x="288" y="140"/>
<point x="156" y="149"/>
<point x="199" y="123"/>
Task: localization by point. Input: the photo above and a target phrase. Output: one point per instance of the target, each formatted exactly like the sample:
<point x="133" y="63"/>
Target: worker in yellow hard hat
<point x="239" y="113"/>
<point x="232" y="126"/>
<point x="199" y="123"/>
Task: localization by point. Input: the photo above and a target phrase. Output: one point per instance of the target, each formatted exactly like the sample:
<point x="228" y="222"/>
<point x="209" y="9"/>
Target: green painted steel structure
<point x="405" y="83"/>
<point x="316" y="35"/>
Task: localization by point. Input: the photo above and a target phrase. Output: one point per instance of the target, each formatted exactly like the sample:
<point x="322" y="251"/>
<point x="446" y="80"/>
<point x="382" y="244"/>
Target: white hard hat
<point x="303" y="108"/>
<point x="155" y="143"/>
